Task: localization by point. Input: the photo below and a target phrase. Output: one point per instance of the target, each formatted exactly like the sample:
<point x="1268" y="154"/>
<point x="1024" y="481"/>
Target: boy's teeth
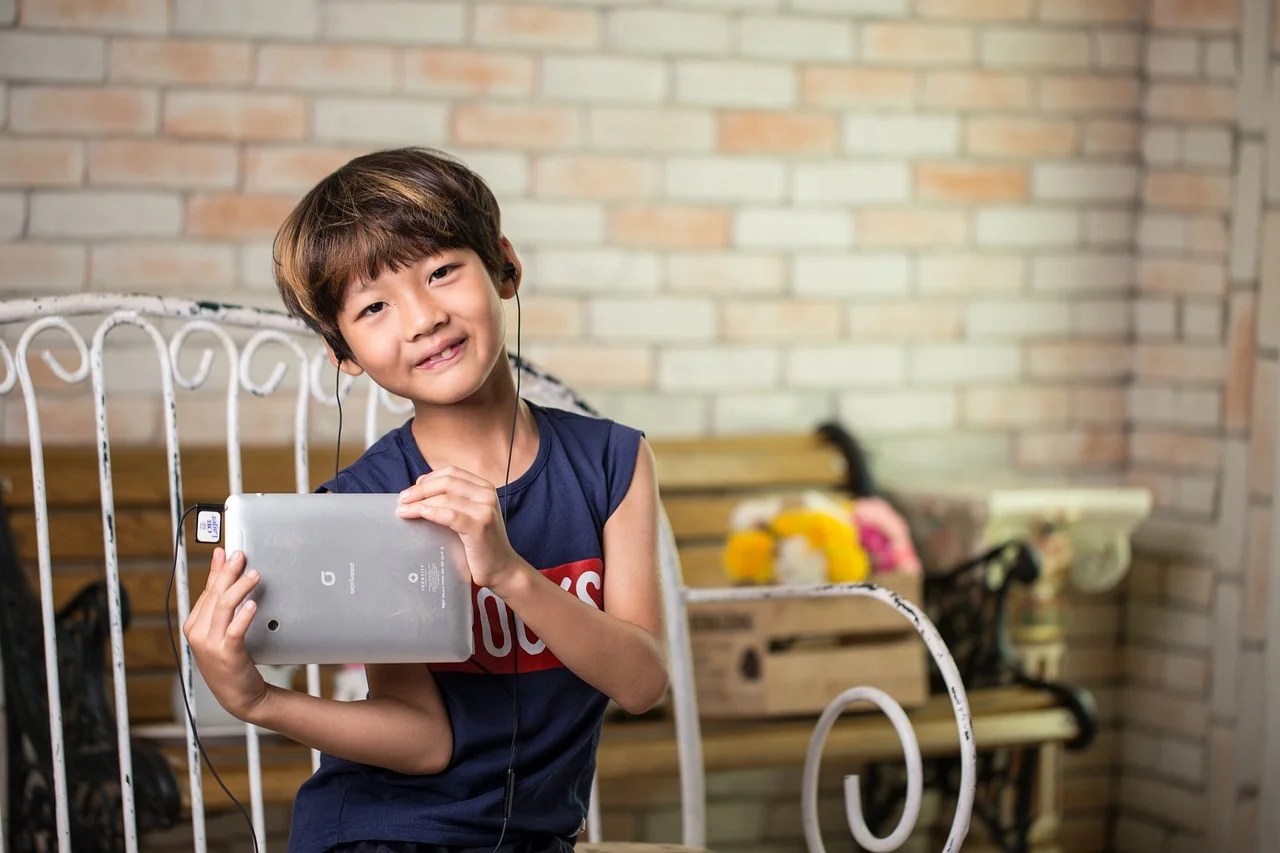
<point x="443" y="354"/>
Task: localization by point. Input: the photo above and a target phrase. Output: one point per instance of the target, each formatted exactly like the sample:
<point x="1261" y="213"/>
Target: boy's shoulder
<point x="584" y="426"/>
<point x="381" y="466"/>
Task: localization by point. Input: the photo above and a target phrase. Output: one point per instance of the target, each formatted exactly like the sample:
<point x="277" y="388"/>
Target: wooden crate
<point x="780" y="657"/>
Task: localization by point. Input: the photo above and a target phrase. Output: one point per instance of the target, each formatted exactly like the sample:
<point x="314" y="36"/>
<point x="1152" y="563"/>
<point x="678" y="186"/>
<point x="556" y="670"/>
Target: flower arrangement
<point x="816" y="538"/>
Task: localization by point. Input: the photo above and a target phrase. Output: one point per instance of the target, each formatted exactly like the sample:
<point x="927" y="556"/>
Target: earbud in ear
<point x="508" y="272"/>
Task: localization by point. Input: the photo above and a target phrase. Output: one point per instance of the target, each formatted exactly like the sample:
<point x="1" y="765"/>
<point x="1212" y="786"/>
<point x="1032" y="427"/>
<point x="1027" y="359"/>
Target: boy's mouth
<point x="443" y="355"/>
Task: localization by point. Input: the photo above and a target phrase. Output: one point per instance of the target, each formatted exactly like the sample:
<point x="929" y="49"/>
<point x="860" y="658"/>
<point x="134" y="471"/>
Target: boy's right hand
<point x="215" y="630"/>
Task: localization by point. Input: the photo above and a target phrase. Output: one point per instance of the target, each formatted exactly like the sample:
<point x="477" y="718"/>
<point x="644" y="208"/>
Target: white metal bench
<point x="228" y="358"/>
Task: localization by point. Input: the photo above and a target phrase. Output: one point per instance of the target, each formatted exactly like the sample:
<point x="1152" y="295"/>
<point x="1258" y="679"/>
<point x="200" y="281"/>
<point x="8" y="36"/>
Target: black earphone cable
<point x="186" y="701"/>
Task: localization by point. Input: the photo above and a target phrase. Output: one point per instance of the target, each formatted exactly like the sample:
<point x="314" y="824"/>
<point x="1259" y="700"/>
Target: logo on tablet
<point x="328" y="578"/>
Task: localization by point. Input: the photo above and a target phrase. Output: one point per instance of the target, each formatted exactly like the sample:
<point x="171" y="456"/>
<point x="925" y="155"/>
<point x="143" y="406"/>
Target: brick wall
<point x="1011" y="235"/>
<point x="1203" y="411"/>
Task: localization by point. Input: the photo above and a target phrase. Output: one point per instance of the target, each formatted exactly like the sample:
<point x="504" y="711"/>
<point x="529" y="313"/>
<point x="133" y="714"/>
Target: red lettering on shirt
<point x="498" y="630"/>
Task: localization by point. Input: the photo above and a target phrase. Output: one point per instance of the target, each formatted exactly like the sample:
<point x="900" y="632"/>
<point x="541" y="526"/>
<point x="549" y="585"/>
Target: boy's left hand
<point x="468" y="505"/>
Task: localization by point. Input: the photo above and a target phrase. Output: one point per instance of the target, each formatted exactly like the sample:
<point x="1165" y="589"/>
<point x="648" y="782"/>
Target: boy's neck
<point x="476" y="435"/>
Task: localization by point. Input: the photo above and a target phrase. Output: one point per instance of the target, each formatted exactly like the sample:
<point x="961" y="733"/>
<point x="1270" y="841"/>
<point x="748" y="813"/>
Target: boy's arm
<point x="620" y="651"/>
<point x="403" y="726"/>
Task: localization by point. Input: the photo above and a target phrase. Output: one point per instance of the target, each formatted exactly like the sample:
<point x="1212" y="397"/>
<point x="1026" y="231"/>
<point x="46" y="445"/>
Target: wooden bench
<point x="701" y="480"/>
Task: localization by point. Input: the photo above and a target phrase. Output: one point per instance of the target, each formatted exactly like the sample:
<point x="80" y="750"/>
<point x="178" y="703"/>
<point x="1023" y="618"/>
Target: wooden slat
<point x="76" y="535"/>
<point x="1003" y="717"/>
<point x="145" y="587"/>
<point x="140" y="475"/>
<point x="706" y="516"/>
<point x="712" y="470"/>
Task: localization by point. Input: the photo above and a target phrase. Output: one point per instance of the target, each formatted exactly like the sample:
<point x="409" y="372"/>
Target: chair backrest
<point x="213" y="371"/>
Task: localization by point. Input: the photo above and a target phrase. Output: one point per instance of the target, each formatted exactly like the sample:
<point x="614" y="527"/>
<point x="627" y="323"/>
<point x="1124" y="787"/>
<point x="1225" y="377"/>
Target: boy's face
<point x="431" y="332"/>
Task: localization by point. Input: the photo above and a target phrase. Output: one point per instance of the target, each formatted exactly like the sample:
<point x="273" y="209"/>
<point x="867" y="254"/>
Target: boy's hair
<point x="381" y="211"/>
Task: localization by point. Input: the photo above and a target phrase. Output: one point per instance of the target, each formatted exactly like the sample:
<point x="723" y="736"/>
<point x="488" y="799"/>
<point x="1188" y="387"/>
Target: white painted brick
<point x="13" y="215"/>
<point x="783" y="228"/>
<point x="736" y="273"/>
<point x="901" y="135"/>
<point x="851" y="276"/>
<point x="795" y="38"/>
<point x="976" y="273"/>
<point x="104" y="214"/>
<point x="604" y="79"/>
<point x="396" y="21"/>
<point x="1268" y="307"/>
<point x="1246" y="214"/>
<point x="1202" y="321"/>
<point x="1179" y="628"/>
<point x="735" y="84"/>
<point x="34" y="269"/>
<point x="1273" y="137"/>
<point x="852" y="183"/>
<point x="1117" y="50"/>
<point x="856" y="8"/>
<point x="246" y="17"/>
<point x="902" y="458"/>
<point x="1196" y="495"/>
<point x="945" y="363"/>
<point x="1006" y="47"/>
<point x="1016" y="319"/>
<point x="1102" y="318"/>
<point x="1080" y="182"/>
<point x="1197" y="407"/>
<point x="827" y="366"/>
<point x="899" y="411"/>
<point x="1220" y="58"/>
<point x="594" y="270"/>
<point x="719" y="368"/>
<point x="51" y="58"/>
<point x="1255" y="49"/>
<point x="1249" y="702"/>
<point x="1182" y="760"/>
<point x="1162" y="231"/>
<point x="1026" y="226"/>
<point x="1173" y="56"/>
<point x="724" y="179"/>
<point x="1161" y="145"/>
<point x="256" y="265"/>
<point x="650" y="130"/>
<point x="722" y="5"/>
<point x="555" y="224"/>
<point x="1225" y="672"/>
<point x="669" y="32"/>
<point x="506" y="173"/>
<point x="380" y="121"/>
<point x="652" y="319"/>
<point x="770" y="412"/>
<point x="1206" y="146"/>
<point x="658" y="414"/>
<point x="1109" y="227"/>
<point x="1151" y="404"/>
<point x="8" y="12"/>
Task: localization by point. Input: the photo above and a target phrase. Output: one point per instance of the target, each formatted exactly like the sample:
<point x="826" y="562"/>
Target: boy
<point x="398" y="261"/>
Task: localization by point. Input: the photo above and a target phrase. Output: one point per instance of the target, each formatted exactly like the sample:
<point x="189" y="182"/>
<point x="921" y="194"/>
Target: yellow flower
<point x="834" y="537"/>
<point x="748" y="556"/>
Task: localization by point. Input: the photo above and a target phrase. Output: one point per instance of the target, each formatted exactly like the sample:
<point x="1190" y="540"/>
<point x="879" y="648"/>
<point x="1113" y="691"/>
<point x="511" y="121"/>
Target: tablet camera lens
<point x="273" y="625"/>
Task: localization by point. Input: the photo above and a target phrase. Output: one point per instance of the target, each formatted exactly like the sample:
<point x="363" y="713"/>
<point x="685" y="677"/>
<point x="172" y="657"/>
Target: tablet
<point x="344" y="580"/>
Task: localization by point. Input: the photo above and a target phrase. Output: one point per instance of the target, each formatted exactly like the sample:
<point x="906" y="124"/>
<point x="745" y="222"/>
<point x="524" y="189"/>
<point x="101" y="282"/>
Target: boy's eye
<point x="372" y="308"/>
<point x="442" y="272"/>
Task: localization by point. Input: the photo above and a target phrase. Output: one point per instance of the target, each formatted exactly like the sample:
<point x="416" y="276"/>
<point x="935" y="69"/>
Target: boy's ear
<point x="509" y="281"/>
<point x="346" y="363"/>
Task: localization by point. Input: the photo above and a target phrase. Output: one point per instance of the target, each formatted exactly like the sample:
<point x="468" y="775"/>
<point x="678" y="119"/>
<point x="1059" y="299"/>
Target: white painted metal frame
<point x="241" y="334"/>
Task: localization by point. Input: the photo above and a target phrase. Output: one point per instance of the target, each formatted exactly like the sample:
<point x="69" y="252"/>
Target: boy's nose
<point x="419" y="316"/>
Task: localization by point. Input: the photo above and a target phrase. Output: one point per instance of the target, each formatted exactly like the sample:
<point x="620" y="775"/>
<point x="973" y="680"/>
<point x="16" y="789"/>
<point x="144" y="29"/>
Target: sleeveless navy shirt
<point x="556" y="514"/>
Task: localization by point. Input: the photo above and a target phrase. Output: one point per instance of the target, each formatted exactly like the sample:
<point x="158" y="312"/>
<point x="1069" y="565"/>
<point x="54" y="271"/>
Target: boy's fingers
<point x="240" y="622"/>
<point x="230" y="599"/>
